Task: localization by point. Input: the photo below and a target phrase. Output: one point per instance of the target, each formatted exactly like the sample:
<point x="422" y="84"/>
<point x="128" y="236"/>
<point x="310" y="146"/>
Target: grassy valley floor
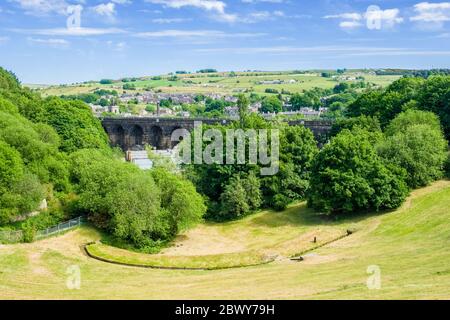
<point x="410" y="246"/>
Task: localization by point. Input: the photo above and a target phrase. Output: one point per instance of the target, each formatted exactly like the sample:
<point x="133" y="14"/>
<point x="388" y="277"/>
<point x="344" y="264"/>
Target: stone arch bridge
<point x="130" y="132"/>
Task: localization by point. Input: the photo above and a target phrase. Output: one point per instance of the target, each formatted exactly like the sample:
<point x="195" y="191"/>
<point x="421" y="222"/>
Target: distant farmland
<point x="226" y="83"/>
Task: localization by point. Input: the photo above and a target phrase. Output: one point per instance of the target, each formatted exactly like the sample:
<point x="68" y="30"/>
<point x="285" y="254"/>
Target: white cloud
<point x="215" y="6"/>
<point x="346" y="16"/>
<point x="350" y="24"/>
<point x="405" y="52"/>
<point x="105" y="9"/>
<point x="338" y="51"/>
<point x="170" y="20"/>
<point x="194" y="34"/>
<point x="76" y="32"/>
<point x="432" y="12"/>
<point x="266" y="1"/>
<point x="122" y="1"/>
<point x="3" y="39"/>
<point x="388" y="18"/>
<point x="43" y="7"/>
<point x="56" y="43"/>
<point x="289" y="50"/>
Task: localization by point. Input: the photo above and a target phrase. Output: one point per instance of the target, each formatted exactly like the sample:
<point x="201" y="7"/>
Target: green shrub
<point x="143" y="208"/>
<point x="281" y="202"/>
<point x="371" y="124"/>
<point x="29" y="232"/>
<point x="348" y="176"/>
<point x="233" y="200"/>
<point x="411" y="118"/>
<point x="416" y="143"/>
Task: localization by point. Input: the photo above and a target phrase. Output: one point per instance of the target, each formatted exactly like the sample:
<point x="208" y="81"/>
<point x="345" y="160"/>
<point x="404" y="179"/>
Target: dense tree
<point x="75" y="124"/>
<point x="252" y="187"/>
<point x="370" y="124"/>
<point x="35" y="142"/>
<point x="348" y="176"/>
<point x="309" y="99"/>
<point x="271" y="105"/>
<point x="435" y="96"/>
<point x="233" y="200"/>
<point x="419" y="149"/>
<point x="20" y="191"/>
<point x="297" y="149"/>
<point x="184" y="206"/>
<point x="341" y="87"/>
<point x="410" y="118"/>
<point x="11" y="166"/>
<point x="243" y="104"/>
<point x="385" y="106"/>
<point x="404" y="94"/>
<point x="143" y="208"/>
<point x="6" y="106"/>
<point x="416" y="143"/>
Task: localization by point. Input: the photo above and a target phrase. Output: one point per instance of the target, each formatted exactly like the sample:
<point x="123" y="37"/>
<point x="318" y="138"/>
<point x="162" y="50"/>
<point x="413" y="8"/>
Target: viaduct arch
<point x="131" y="132"/>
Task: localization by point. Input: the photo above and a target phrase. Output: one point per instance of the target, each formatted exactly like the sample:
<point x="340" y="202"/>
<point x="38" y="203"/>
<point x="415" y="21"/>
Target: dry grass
<point x="409" y="245"/>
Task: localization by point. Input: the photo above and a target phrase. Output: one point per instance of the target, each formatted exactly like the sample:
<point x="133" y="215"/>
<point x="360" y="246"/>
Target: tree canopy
<point x="348" y="176"/>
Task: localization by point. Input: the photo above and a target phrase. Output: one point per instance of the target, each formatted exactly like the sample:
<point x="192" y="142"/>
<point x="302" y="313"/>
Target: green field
<point x="223" y="83"/>
<point x="409" y="246"/>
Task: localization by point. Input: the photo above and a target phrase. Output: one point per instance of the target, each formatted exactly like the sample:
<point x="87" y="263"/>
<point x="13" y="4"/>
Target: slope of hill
<point x="224" y="83"/>
<point x="409" y="247"/>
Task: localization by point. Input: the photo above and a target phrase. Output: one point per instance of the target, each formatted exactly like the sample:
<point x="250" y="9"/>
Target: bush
<point x="252" y="187"/>
<point x="435" y="96"/>
<point x="271" y="105"/>
<point x="234" y="200"/>
<point x="348" y="176"/>
<point x="75" y="124"/>
<point x="7" y="106"/>
<point x="410" y="118"/>
<point x="416" y="143"/>
<point x="143" y="208"/>
<point x="370" y="124"/>
<point x="29" y="232"/>
<point x="183" y="205"/>
<point x="20" y="191"/>
<point x="281" y="202"/>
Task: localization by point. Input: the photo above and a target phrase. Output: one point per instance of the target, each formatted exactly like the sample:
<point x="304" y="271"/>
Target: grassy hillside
<point x="410" y="246"/>
<point x="223" y="83"/>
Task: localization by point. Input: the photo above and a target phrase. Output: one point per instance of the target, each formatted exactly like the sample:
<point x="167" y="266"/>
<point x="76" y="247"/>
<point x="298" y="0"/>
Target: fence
<point x="17" y="236"/>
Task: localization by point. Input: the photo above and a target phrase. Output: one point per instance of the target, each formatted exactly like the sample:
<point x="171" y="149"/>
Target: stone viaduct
<point x="130" y="132"/>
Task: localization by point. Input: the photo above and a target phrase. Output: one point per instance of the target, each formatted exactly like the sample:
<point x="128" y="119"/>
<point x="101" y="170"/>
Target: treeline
<point x="97" y="97"/>
<point x="392" y="141"/>
<point x="413" y="73"/>
<point x="55" y="149"/>
<point x="233" y="191"/>
<point x="431" y="94"/>
<point x="385" y="144"/>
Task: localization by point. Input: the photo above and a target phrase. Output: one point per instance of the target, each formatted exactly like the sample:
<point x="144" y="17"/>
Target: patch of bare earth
<point x="204" y="240"/>
<point x="37" y="267"/>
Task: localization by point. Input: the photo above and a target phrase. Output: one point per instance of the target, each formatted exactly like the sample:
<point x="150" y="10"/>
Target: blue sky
<point x="43" y="41"/>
